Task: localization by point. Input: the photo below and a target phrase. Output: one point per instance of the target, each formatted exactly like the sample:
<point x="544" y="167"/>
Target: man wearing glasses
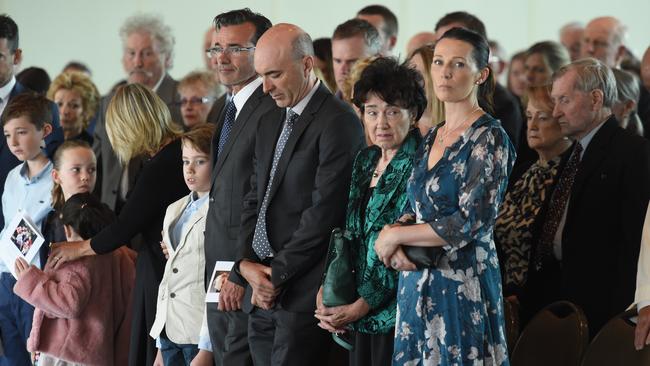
<point x="232" y="54"/>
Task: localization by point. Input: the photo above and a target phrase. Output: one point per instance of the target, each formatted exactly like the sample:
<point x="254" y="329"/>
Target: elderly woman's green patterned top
<point x="376" y="283"/>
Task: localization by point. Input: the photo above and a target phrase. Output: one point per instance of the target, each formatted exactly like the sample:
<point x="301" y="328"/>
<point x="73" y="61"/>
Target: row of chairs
<point x="558" y="335"/>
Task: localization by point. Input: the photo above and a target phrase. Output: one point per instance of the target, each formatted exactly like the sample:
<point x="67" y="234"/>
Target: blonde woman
<point x="138" y="123"/>
<point x="77" y="98"/>
<point x="421" y="59"/>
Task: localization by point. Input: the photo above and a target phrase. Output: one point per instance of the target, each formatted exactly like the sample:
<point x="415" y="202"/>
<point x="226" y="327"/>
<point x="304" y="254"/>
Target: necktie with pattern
<point x="229" y="120"/>
<point x="261" y="244"/>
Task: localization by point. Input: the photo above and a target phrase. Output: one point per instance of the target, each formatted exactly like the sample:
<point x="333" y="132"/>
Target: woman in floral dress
<point x="452" y="313"/>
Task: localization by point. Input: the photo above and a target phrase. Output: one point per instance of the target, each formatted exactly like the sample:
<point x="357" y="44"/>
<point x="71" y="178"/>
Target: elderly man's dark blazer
<point x="308" y="197"/>
<point x="602" y="232"/>
<point x="110" y="170"/>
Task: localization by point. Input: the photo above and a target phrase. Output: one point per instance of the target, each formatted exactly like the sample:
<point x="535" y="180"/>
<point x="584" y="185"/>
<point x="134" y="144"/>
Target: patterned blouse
<point x="452" y="314"/>
<point x="514" y="229"/>
<point x="376" y="283"/>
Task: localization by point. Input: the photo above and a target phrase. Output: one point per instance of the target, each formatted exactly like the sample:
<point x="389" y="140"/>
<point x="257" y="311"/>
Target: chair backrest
<point x="614" y="344"/>
<point x="511" y="317"/>
<point x="557" y="335"/>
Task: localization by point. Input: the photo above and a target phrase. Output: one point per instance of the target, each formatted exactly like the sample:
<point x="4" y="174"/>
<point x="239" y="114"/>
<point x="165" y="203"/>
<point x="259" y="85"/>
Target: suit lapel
<point x="240" y="122"/>
<point x="596" y="151"/>
<point x="299" y="127"/>
<point x="196" y="217"/>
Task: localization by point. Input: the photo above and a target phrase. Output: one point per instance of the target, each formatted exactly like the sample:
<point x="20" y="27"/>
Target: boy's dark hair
<point x="9" y="31"/>
<point x="86" y="214"/>
<point x="390" y="20"/>
<point x="469" y="21"/>
<point x="241" y="16"/>
<point x="34" y="106"/>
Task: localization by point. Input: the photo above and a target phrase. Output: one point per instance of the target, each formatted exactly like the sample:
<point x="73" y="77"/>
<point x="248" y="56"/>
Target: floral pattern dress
<point x="453" y="314"/>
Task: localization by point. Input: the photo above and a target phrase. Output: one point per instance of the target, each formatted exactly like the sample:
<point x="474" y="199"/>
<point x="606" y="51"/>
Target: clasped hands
<point x="336" y="319"/>
<point x="389" y="251"/>
<point x="259" y="278"/>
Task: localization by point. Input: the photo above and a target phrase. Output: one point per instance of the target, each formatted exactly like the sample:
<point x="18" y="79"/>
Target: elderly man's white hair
<point x="159" y="31"/>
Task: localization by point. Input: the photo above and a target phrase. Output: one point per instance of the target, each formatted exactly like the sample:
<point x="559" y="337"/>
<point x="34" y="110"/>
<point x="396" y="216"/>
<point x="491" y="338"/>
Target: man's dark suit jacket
<point x="602" y="232"/>
<point x="231" y="174"/>
<point x="508" y="111"/>
<point x="8" y="161"/>
<point x="308" y="197"/>
<point x="109" y="171"/>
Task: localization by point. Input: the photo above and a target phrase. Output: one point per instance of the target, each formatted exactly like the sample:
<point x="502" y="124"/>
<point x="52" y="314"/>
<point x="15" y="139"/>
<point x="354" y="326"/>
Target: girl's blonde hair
<point x="138" y="122"/>
<point x="58" y="199"/>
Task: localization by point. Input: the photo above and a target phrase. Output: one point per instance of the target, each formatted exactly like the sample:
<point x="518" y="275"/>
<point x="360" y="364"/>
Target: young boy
<point x="26" y="122"/>
<point x="182" y="290"/>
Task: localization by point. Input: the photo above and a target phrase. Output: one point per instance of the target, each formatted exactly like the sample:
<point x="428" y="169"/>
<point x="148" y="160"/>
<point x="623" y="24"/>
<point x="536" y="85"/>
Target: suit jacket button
<point x="172" y="295"/>
<point x="175" y="270"/>
<point x="283" y="277"/>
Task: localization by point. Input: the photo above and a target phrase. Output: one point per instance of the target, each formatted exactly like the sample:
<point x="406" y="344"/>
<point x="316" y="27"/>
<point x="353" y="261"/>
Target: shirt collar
<point x="45" y="171"/>
<point x="300" y="106"/>
<point x="155" y="87"/>
<point x="6" y="90"/>
<point x="196" y="201"/>
<point x="588" y="137"/>
<point x="244" y="93"/>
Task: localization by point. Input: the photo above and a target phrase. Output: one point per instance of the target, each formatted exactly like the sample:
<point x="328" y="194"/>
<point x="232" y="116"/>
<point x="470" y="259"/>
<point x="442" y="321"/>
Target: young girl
<point x="182" y="291"/>
<point x="82" y="311"/>
<point x="74" y="171"/>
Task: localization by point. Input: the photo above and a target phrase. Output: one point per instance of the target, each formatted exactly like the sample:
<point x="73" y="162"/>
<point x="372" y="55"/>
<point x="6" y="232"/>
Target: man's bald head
<point x="284" y="60"/>
<point x="603" y="39"/>
<point x="419" y="40"/>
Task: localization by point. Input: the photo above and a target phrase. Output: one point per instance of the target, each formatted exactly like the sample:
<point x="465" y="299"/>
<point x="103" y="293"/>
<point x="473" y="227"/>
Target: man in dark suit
<point x="148" y="48"/>
<point x="598" y="231"/>
<point x="299" y="189"/>
<point x="10" y="57"/>
<point x="232" y="54"/>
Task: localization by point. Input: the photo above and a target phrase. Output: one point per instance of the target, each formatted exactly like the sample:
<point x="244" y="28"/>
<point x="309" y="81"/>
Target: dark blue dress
<point x="453" y="314"/>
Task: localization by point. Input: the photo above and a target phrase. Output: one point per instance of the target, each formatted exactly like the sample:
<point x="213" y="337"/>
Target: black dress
<point x="159" y="184"/>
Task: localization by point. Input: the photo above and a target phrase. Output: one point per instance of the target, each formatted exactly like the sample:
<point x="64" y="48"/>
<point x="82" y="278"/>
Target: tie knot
<point x="291" y="117"/>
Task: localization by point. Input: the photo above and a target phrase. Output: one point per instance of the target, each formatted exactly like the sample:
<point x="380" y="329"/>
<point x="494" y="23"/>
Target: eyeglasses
<point x="195" y="100"/>
<point x="233" y="50"/>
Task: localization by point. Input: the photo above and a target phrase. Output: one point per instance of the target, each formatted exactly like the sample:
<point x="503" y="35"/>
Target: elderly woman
<point x="516" y="227"/>
<point x="198" y="91"/>
<point x="77" y="98"/>
<point x="391" y="100"/>
<point x="421" y="59"/>
<point x="625" y="106"/>
<point x="139" y="123"/>
<point x="450" y="312"/>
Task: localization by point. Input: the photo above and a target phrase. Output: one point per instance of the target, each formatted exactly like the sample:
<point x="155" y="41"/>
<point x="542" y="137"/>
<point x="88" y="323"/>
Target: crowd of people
<point x="456" y="194"/>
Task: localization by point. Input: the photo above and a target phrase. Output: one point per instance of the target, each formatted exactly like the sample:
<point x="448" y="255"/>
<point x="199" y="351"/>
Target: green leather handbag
<point x="339" y="285"/>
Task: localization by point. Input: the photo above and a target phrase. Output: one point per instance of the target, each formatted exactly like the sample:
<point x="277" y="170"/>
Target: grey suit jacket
<point x="231" y="180"/>
<point x="109" y="171"/>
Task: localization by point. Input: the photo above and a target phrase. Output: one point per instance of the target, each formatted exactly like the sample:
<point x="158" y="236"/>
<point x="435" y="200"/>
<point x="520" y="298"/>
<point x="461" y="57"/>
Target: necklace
<point x="443" y="136"/>
<point x="377" y="173"/>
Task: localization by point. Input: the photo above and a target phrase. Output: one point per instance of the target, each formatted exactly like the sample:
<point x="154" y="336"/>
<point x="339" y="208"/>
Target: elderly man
<point x="603" y="39"/>
<point x="590" y="237"/>
<point x="385" y="22"/>
<point x="303" y="164"/>
<point x="147" y="55"/>
<point x="353" y="40"/>
<point x="231" y="54"/>
<point x="571" y="38"/>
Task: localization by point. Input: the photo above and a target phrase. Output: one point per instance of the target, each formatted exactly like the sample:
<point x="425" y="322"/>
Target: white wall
<point x="53" y="32"/>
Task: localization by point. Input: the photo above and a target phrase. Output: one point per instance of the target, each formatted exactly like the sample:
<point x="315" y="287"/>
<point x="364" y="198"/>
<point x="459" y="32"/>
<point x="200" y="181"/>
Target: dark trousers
<point x="15" y="324"/>
<point x="372" y="349"/>
<point x="229" y="337"/>
<point x="282" y="338"/>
